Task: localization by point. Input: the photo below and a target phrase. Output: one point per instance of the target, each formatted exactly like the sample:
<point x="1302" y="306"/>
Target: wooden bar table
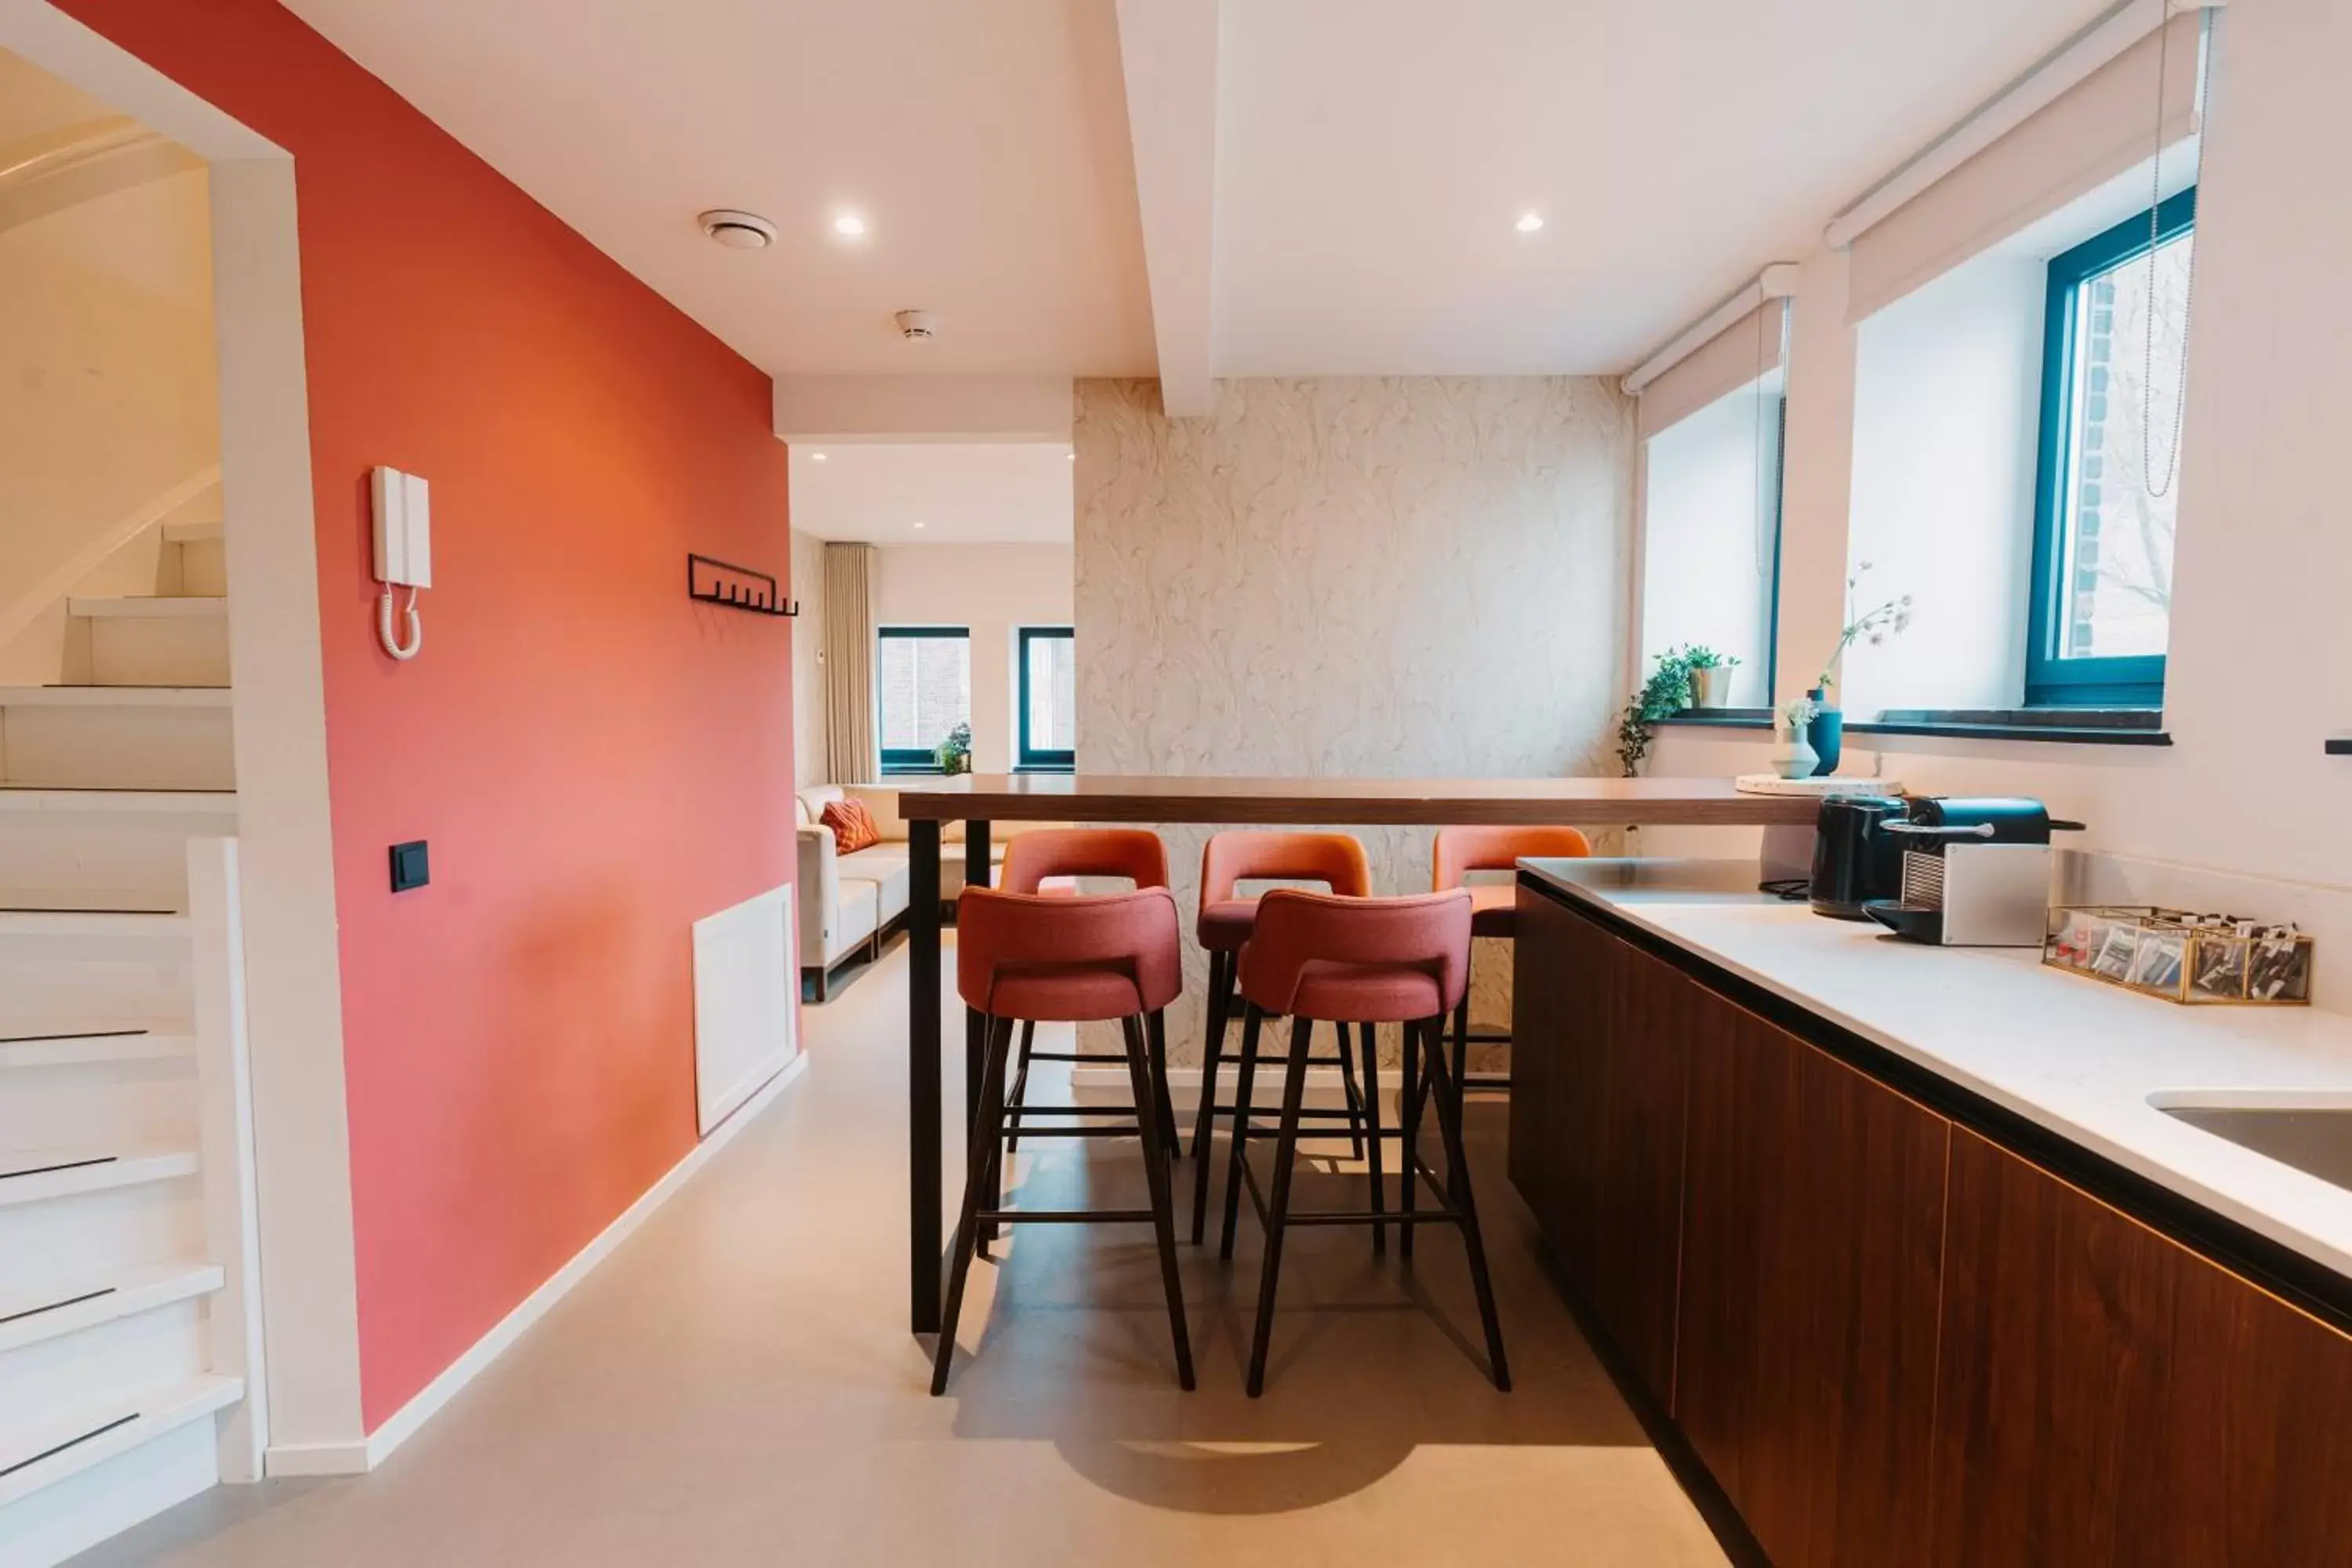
<point x="976" y="800"/>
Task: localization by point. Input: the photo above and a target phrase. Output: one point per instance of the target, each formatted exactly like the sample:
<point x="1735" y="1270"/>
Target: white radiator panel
<point x="746" y="1002"/>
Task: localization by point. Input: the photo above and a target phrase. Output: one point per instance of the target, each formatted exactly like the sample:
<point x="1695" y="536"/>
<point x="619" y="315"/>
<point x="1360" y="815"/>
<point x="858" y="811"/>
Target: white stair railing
<point x="225" y="1091"/>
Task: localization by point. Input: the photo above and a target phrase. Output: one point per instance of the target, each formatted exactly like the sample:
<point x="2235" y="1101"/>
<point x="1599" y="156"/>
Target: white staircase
<point x="128" y="1339"/>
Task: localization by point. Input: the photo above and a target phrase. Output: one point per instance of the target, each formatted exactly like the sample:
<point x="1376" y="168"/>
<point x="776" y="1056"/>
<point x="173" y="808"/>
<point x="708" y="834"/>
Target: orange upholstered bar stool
<point x="1049" y="861"/>
<point x="1051" y="958"/>
<point x="1362" y="961"/>
<point x="1334" y="859"/>
<point x="1495" y="909"/>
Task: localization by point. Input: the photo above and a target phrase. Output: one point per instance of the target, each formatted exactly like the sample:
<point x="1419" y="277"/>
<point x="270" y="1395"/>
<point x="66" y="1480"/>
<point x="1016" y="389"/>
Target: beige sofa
<point x="849" y="903"/>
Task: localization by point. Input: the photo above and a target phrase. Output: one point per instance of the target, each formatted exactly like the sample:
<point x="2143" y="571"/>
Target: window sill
<point x="1047" y="768"/>
<point x="1721" y="718"/>
<point x="933" y="772"/>
<point x="2058" y="726"/>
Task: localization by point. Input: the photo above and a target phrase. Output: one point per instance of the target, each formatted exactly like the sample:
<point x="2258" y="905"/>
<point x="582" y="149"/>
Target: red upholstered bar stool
<point x="1334" y="859"/>
<point x="1493" y="905"/>
<point x="1362" y="961"/>
<point x="1041" y="958"/>
<point x="1050" y="861"/>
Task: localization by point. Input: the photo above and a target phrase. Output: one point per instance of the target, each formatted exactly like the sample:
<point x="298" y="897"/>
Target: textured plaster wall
<point x="1395" y="577"/>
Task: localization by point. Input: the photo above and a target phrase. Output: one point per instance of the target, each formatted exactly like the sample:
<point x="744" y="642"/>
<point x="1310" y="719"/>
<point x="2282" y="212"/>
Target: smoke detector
<point x="917" y="326"/>
<point x="738" y="230"/>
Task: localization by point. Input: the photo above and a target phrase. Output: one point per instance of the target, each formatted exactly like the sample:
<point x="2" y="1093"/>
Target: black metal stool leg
<point x="1461" y="1050"/>
<point x="1409" y="1119"/>
<point x="1278" y="1208"/>
<point x="1018" y="1095"/>
<point x="1253" y="1024"/>
<point x="1163" y="1202"/>
<point x="1355" y="1094"/>
<point x="1170" y="1141"/>
<point x="1204" y="1120"/>
<point x="1449" y="1123"/>
<point x="1372" y="1114"/>
<point x="987" y="1137"/>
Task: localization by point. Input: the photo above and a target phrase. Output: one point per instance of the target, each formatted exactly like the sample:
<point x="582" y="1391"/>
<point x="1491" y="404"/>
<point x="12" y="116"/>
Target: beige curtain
<point x="850" y="752"/>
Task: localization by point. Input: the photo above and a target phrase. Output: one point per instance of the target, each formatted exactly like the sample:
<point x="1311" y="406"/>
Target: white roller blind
<point x="1735" y="357"/>
<point x="2098" y="129"/>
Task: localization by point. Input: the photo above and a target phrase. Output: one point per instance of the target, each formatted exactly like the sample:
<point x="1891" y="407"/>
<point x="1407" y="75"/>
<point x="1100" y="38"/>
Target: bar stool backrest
<point x="1334" y="859"/>
<point x="1001" y="936"/>
<point x="1428" y="933"/>
<point x="1461" y="850"/>
<point x="1130" y="852"/>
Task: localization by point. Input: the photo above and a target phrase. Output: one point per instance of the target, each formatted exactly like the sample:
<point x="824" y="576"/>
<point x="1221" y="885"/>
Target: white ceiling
<point x="985" y="142"/>
<point x="1369" y="177"/>
<point x="1352" y="213"/>
<point x="962" y="493"/>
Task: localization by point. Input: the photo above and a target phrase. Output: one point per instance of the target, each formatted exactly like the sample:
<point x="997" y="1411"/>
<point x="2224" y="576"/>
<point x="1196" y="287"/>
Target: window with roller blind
<point x="2109" y="488"/>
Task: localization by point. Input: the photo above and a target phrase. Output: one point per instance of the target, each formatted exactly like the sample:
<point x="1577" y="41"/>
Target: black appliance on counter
<point x="1855" y="859"/>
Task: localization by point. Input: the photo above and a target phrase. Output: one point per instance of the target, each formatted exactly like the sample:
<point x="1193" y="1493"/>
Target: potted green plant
<point x="954" y="753"/>
<point x="1666" y="693"/>
<point x="1710" y="676"/>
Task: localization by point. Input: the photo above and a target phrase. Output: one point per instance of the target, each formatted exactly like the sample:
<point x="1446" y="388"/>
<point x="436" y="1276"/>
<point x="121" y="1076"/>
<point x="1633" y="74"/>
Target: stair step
<point x="117" y="802"/>
<point x="87" y="1045"/>
<point x="150" y="607"/>
<point x="191" y="533"/>
<point x="39" y="1456"/>
<point x="83" y="925"/>
<point x="30" y="1317"/>
<point x="37" y="1175"/>
<point x="114" y="697"/>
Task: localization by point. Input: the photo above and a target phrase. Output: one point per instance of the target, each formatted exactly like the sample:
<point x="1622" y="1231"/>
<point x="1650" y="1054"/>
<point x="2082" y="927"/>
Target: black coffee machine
<point x="1855" y="859"/>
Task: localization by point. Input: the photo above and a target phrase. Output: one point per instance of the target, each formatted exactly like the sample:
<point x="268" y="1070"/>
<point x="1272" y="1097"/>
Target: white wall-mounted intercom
<point x="403" y="553"/>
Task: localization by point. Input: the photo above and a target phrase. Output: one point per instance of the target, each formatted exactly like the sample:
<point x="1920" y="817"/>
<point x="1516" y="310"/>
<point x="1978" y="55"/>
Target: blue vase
<point x="1825" y="735"/>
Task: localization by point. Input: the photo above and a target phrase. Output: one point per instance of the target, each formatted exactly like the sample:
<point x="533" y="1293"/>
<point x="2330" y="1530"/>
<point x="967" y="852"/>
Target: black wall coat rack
<point x="737" y="587"/>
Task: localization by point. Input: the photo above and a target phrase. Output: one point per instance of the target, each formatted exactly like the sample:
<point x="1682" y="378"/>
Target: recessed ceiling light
<point x="816" y="457"/>
<point x="849" y="225"/>
<point x="918" y="525"/>
<point x="1528" y="223"/>
<point x="1074" y="457"/>
<point x="738" y="230"/>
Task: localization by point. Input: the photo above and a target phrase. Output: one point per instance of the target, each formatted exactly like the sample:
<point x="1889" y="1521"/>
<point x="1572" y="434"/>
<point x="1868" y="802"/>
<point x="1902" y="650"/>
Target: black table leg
<point x="923" y="1072"/>
<point x="975" y="1027"/>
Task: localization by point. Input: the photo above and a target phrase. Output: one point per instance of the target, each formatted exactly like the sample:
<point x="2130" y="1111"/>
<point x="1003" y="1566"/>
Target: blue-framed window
<point x="1047" y="656"/>
<point x="2101" y="586"/>
<point x="922" y="689"/>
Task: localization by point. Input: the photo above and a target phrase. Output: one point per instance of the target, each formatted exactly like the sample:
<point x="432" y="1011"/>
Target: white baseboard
<point x="356" y="1458"/>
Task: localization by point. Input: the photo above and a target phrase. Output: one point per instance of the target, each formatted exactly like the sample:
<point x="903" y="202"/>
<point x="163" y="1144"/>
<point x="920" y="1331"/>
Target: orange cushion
<point x="853" y="825"/>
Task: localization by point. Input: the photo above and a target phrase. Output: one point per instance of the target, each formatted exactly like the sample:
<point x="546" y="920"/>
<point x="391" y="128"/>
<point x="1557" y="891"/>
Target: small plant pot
<point x="1711" y="688"/>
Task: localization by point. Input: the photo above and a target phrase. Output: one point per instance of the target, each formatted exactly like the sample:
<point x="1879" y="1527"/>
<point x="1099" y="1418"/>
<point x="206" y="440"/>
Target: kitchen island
<point x="1896" y="1251"/>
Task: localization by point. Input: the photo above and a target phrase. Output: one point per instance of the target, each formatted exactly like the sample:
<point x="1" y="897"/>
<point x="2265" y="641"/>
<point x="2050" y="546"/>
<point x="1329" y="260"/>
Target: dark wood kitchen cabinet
<point x="1812" y="1222"/>
<point x="2108" y="1396"/>
<point x="1597" y="1124"/>
<point x="1886" y="1338"/>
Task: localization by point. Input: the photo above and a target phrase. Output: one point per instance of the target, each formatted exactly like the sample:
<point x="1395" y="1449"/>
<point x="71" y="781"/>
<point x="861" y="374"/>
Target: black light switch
<point x="410" y="868"/>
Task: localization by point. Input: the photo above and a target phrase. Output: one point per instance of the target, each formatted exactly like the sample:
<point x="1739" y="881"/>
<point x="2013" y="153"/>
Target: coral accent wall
<point x="597" y="760"/>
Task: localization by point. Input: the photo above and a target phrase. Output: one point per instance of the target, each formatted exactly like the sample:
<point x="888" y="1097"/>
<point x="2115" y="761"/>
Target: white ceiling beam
<point x="1168" y="54"/>
<point x="841" y="409"/>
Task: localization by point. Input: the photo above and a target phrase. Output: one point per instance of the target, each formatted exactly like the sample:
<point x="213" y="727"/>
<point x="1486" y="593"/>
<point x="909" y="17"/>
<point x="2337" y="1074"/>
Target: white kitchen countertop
<point x="2077" y="1058"/>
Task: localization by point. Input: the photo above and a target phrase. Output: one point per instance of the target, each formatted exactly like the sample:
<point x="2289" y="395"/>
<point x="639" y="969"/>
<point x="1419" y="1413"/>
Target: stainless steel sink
<point x="2313" y="1133"/>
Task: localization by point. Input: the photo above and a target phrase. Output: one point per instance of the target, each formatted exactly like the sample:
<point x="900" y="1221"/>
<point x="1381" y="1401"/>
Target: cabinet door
<point x="1805" y="1354"/>
<point x="1637" y="1100"/>
<point x="2106" y="1396"/>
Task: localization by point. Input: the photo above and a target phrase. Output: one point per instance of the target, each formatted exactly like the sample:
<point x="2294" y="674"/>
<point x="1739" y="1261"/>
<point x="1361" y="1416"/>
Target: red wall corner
<point x="597" y="760"/>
